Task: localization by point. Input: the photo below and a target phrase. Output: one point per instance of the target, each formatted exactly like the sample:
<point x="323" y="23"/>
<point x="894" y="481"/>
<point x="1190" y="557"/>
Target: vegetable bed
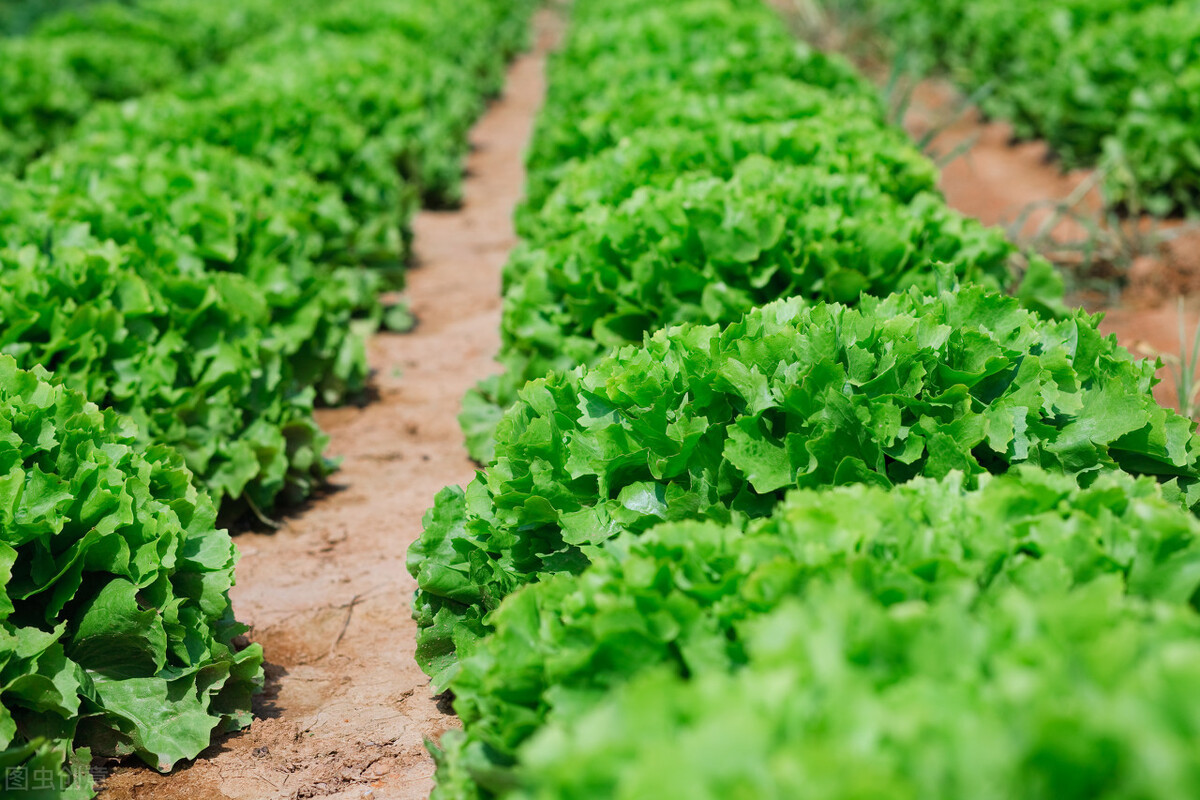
<point x="797" y="482"/>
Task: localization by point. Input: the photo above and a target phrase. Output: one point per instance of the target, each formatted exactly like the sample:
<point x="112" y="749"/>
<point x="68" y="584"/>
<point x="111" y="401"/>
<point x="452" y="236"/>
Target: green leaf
<point x="116" y="638"/>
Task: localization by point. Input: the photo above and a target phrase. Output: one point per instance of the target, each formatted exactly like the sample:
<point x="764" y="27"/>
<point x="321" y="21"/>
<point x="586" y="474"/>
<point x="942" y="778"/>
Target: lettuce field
<point x="791" y="478"/>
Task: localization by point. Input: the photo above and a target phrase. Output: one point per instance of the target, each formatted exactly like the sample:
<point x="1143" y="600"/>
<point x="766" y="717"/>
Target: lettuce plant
<point x="414" y="104"/>
<point x="116" y="634"/>
<point x="51" y="78"/>
<point x="705" y="423"/>
<point x="834" y="136"/>
<point x="193" y="258"/>
<point x="708" y="250"/>
<point x="846" y="608"/>
<point x="196" y="208"/>
<point x="693" y="162"/>
<point x="299" y="133"/>
<point x="191" y="358"/>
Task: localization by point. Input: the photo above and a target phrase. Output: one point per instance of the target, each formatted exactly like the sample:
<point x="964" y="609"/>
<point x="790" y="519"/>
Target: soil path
<point x="346" y="709"/>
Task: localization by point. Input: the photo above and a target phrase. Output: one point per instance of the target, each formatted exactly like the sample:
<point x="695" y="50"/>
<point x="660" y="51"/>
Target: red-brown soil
<point x="346" y="710"/>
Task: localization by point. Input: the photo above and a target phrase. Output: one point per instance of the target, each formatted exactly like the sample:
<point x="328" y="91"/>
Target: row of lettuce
<point x="92" y="52"/>
<point x="183" y="275"/>
<point x="798" y="483"/>
<point x="1112" y="82"/>
<point x="192" y="258"/>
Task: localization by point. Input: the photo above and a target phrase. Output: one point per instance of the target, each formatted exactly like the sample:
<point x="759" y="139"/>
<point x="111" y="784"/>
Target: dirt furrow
<point x="346" y="709"/>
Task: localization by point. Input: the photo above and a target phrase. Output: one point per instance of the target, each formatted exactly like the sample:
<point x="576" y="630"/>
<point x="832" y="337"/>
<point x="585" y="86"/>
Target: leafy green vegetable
<point x="631" y="66"/>
<point x="703" y="423"/>
<point x="18" y="16"/>
<point x="190" y="357"/>
<point x="198" y="275"/>
<point x="347" y="108"/>
<point x="413" y="104"/>
<point x="1112" y="82"/>
<point x="197" y="208"/>
<point x="115" y="625"/>
<point x="199" y="34"/>
<point x="919" y="586"/>
<point x="582" y="129"/>
<point x="833" y="136"/>
<point x="112" y="51"/>
<point x="1067" y="694"/>
<point x="45" y="87"/>
<point x="690" y="176"/>
<point x="771" y="559"/>
<point x="301" y="133"/>
<point x="214" y="327"/>
<point x="480" y="35"/>
<point x="242" y="205"/>
<point x="708" y="250"/>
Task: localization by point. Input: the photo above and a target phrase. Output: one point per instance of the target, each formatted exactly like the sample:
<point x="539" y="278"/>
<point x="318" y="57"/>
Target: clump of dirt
<point x="346" y="711"/>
